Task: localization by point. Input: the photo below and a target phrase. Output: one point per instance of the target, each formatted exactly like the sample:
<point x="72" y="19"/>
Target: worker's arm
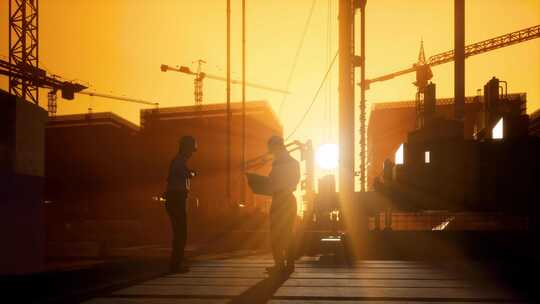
<point x="178" y="176"/>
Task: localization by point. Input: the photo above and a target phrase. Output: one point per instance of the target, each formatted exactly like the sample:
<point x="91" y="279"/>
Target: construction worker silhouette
<point x="283" y="180"/>
<point x="178" y="186"/>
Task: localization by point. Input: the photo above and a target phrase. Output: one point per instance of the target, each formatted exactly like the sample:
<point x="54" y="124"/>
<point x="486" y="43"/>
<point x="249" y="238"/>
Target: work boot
<point x="289" y="269"/>
<point x="179" y="269"/>
<point x="276" y="269"/>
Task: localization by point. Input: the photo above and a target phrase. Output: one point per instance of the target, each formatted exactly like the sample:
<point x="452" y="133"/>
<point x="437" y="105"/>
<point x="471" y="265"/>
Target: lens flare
<point x="327" y="156"/>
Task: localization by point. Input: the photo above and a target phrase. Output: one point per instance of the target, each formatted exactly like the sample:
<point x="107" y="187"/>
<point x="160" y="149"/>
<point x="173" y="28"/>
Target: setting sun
<point x="327" y="156"/>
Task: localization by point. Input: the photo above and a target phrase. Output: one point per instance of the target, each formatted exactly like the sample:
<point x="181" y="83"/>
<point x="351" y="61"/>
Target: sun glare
<point x="327" y="156"/>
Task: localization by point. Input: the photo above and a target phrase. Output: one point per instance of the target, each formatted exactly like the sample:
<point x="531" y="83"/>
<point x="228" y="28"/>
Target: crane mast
<point x="198" y="83"/>
<point x="23" y="49"/>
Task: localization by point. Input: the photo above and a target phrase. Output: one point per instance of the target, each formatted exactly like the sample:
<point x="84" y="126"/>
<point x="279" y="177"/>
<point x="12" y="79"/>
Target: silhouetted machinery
<point x="497" y="171"/>
<point x="326" y="207"/>
<point x="325" y="228"/>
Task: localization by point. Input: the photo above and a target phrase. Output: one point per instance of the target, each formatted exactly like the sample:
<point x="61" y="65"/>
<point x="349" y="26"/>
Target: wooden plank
<point x="155" y="301"/>
<point x="360" y="275"/>
<point x="377" y="302"/>
<point x="380" y="282"/>
<point x="376" y="283"/>
<point x="312" y="282"/>
<point x="318" y="267"/>
<point x="391" y="292"/>
<point x="180" y="290"/>
<point x="203" y="281"/>
<point x="201" y="268"/>
<point x="216" y="274"/>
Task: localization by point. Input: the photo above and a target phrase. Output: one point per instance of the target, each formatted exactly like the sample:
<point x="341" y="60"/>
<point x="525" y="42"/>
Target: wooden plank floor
<point x="243" y="280"/>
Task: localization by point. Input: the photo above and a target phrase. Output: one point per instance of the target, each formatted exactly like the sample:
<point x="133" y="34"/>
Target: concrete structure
<point x="534" y="123"/>
<point x="88" y="155"/>
<point x="439" y="168"/>
<point x="91" y="185"/>
<point x="390" y="122"/>
<point x="21" y="178"/>
<point x="467" y="175"/>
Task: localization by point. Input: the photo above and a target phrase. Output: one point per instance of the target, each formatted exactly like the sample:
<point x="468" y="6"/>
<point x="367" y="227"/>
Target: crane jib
<point x="201" y="75"/>
<point x="523" y="35"/>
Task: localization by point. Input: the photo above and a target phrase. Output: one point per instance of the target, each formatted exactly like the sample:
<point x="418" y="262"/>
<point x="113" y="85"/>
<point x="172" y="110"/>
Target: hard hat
<point x="188" y="143"/>
<point x="275" y="141"/>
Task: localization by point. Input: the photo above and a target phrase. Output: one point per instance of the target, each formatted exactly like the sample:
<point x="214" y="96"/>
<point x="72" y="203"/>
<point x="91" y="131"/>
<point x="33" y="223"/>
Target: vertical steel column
<point x="243" y="191"/>
<point x="459" y="59"/>
<point x="346" y="101"/>
<point x="363" y="142"/>
<point x="309" y="190"/>
<point x="228" y="148"/>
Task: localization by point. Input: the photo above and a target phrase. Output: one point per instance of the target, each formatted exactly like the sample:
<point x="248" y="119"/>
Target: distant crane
<point x="52" y="99"/>
<point x="200" y="76"/>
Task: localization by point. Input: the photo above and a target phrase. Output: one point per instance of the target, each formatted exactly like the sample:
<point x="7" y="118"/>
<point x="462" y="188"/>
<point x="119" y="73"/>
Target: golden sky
<point x="117" y="47"/>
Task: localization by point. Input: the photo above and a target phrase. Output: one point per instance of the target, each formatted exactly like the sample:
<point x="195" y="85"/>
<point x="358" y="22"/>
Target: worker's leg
<point x="177" y="215"/>
<point x="174" y="263"/>
<point x="289" y="221"/>
<point x="276" y="241"/>
<point x="182" y="230"/>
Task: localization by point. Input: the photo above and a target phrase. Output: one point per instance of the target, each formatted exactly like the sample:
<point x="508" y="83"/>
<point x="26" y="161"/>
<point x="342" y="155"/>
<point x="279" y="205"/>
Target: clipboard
<point x="259" y="184"/>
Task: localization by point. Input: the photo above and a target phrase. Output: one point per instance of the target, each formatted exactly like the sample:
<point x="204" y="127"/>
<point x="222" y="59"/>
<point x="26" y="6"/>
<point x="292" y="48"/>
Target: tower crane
<point x="200" y="76"/>
<point x="422" y="67"/>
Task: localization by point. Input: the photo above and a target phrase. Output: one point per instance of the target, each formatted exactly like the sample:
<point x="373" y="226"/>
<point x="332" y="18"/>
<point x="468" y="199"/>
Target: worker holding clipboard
<point x="280" y="184"/>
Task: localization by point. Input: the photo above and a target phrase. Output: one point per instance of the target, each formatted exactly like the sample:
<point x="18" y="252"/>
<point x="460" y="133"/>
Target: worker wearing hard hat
<point x="283" y="180"/>
<point x="178" y="186"/>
